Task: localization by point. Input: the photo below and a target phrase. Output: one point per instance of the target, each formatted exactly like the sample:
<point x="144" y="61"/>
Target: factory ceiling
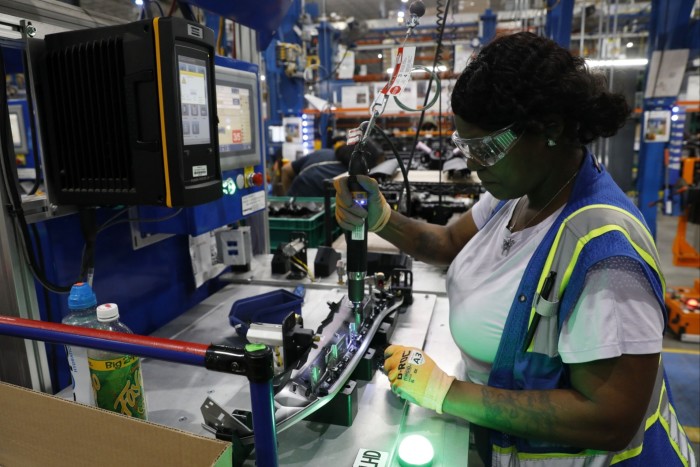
<point x="389" y="10"/>
<point x="365" y="9"/>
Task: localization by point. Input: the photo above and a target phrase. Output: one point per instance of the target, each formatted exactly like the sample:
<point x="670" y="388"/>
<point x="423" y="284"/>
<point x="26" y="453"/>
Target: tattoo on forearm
<point x="520" y="413"/>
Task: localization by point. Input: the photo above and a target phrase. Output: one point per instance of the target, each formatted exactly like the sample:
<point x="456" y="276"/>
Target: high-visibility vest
<point x="598" y="222"/>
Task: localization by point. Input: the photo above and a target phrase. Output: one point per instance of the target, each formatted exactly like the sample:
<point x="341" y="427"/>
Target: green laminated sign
<point x="118" y="386"/>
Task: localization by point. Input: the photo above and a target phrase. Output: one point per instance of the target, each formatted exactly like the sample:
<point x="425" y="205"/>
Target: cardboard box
<point x="38" y="429"/>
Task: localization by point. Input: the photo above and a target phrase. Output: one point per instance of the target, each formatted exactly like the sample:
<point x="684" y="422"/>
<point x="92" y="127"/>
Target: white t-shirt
<point x="616" y="314"/>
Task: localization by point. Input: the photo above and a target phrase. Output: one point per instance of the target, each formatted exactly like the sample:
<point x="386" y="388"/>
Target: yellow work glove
<point x="348" y="214"/>
<point x="415" y="377"/>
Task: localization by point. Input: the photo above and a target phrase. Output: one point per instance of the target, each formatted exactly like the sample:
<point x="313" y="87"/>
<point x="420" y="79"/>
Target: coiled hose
<point x="441" y="20"/>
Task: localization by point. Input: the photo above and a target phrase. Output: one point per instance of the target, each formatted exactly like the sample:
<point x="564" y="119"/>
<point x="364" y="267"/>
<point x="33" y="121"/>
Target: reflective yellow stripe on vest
<point x="574" y="233"/>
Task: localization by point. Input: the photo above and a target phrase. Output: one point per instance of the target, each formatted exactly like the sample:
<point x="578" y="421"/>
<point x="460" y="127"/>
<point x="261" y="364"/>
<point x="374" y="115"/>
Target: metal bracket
<point x="138" y="240"/>
<point x="217" y="420"/>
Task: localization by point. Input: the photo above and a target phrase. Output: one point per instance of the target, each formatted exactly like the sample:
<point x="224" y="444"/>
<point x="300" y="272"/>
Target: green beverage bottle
<point x="116" y="378"/>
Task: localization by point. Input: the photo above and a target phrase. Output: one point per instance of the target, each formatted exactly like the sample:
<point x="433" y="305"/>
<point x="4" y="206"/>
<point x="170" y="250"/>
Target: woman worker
<point x="556" y="297"/>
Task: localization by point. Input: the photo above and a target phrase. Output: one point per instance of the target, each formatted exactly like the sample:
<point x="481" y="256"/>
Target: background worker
<point x="305" y="176"/>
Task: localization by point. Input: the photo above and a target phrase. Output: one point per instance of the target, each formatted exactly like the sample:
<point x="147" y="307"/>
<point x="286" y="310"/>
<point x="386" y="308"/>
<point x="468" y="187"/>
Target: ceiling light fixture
<point x="619" y="63"/>
<point x="439" y="68"/>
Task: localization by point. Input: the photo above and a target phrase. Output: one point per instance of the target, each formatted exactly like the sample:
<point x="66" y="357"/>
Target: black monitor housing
<point x="128" y="115"/>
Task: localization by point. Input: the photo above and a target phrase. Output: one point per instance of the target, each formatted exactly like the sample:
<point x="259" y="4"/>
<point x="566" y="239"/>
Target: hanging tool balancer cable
<point x="438" y="57"/>
<point x="356" y="239"/>
<point x="402" y="166"/>
<point x="441" y="20"/>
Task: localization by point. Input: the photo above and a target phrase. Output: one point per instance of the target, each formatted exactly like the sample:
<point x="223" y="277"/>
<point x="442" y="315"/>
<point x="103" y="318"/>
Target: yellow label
<point x="111" y="365"/>
<point x="247" y="173"/>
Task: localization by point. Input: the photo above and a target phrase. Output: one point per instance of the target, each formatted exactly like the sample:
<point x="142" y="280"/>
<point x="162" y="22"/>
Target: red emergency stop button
<point x="256" y="179"/>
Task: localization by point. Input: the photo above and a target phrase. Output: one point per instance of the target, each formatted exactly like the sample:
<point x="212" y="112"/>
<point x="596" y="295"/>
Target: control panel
<point x="241" y="150"/>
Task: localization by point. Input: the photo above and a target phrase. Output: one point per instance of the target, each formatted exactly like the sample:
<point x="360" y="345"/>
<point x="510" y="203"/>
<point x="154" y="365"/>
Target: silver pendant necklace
<point x="508" y="240"/>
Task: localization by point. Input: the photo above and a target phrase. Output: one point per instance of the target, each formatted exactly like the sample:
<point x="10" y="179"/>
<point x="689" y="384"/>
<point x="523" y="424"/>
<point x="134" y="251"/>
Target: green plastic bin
<point x="312" y="223"/>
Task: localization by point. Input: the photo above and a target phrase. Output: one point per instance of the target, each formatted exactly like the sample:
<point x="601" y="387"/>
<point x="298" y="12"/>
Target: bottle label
<point x="117" y="385"/>
<point x="80" y="374"/>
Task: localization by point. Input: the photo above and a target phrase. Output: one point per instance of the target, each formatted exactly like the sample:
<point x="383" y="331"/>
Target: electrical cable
<point x="441" y="22"/>
<point x="330" y="75"/>
<point x="32" y="124"/>
<point x="552" y="7"/>
<point x="436" y="95"/>
<point x="88" y="226"/>
<point x="141" y="220"/>
<point x="145" y="12"/>
<point x="11" y="184"/>
<point x="87" y="256"/>
<point x="106" y="223"/>
<point x="9" y="176"/>
<point x="186" y="11"/>
<point x="303" y="266"/>
<point x="402" y="167"/>
<point x="219" y="36"/>
<point x="173" y="8"/>
<point x="438" y="56"/>
<point x="160" y="8"/>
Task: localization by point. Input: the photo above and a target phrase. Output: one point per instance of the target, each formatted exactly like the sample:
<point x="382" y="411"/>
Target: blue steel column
<point x="259" y="363"/>
<point x="650" y="174"/>
<point x="560" y="14"/>
<point x="668" y="29"/>
<point x="487" y="26"/>
<point x="285" y="94"/>
<point x="326" y="51"/>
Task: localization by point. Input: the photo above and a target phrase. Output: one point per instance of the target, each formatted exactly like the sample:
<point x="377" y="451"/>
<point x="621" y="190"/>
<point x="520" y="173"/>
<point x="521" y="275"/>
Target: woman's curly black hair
<point x="526" y="79"/>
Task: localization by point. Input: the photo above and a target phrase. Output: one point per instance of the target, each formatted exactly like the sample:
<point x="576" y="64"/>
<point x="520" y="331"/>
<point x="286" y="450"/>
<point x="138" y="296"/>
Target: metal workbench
<point x="176" y="392"/>
<point x="426" y="278"/>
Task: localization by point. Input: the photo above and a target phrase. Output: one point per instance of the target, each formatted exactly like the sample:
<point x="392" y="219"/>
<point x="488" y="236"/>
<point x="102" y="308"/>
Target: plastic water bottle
<point x="81" y="305"/>
<point x="116" y="378"/>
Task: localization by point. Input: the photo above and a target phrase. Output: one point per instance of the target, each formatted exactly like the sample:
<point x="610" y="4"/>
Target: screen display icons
<point x="194" y="100"/>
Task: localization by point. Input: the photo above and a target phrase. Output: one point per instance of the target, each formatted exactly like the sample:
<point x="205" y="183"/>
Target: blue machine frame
<point x="152" y="285"/>
<point x="670" y="29"/>
<point x="264" y="16"/>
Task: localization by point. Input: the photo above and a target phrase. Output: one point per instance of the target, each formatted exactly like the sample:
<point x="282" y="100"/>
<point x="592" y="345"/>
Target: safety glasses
<point x="489" y="149"/>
